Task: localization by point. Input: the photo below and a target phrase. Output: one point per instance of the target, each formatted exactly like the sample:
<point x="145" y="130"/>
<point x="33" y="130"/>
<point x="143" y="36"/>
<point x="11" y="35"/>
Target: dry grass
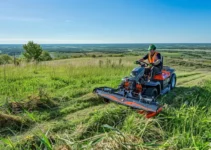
<point x="10" y="120"/>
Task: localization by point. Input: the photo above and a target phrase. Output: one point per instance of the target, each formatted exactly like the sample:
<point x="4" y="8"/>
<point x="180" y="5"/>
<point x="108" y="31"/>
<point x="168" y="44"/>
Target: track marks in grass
<point x="198" y="95"/>
<point x="114" y="117"/>
<point x="187" y="75"/>
<point x="192" y="78"/>
<point x="72" y="107"/>
<point x="197" y="82"/>
<point x="73" y="121"/>
<point x="67" y="123"/>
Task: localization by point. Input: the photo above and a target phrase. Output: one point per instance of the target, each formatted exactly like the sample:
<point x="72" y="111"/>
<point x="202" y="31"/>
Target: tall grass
<point x="83" y="121"/>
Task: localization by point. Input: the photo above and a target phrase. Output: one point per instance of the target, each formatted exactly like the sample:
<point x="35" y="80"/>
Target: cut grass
<point x="83" y="121"/>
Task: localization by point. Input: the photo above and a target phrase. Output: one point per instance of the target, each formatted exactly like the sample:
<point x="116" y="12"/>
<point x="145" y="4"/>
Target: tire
<point x="173" y="81"/>
<point x="151" y="92"/>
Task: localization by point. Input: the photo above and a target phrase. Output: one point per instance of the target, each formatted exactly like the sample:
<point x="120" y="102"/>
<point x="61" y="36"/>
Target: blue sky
<point x="105" y="21"/>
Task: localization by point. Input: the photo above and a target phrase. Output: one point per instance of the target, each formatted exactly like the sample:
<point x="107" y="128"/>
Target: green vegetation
<point x="33" y="51"/>
<point x="50" y="105"/>
<point x="5" y="59"/>
<point x="45" y="56"/>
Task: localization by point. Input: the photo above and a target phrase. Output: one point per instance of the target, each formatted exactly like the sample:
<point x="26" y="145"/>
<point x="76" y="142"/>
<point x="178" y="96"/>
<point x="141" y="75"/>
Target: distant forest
<point x="16" y="49"/>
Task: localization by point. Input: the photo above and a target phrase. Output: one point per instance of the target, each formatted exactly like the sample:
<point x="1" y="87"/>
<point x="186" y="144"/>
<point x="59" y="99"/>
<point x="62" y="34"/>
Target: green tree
<point x="45" y="56"/>
<point x="32" y="51"/>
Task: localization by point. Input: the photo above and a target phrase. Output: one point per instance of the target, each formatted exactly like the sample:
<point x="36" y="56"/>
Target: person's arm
<point x="158" y="59"/>
<point x="144" y="58"/>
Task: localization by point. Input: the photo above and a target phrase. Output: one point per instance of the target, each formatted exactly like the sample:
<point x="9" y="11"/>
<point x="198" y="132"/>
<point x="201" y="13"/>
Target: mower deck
<point x="116" y="96"/>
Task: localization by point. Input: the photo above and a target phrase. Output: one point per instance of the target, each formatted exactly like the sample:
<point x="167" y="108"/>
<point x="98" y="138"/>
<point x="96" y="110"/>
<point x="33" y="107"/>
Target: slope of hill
<point x="51" y="105"/>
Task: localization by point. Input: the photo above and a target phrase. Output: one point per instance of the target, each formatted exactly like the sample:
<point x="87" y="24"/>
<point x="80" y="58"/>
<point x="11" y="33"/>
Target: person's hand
<point x="136" y="62"/>
<point x="151" y="64"/>
<point x="141" y="59"/>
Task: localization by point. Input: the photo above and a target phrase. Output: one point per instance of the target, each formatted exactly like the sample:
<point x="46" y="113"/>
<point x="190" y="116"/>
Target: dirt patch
<point x="32" y="103"/>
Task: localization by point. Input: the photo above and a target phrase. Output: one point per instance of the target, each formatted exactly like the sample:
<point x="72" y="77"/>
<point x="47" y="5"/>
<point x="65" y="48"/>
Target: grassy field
<point x="50" y="105"/>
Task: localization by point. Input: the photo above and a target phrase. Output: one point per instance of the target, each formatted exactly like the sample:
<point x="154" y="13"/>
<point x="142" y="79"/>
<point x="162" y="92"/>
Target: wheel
<point x="151" y="92"/>
<point x="173" y="81"/>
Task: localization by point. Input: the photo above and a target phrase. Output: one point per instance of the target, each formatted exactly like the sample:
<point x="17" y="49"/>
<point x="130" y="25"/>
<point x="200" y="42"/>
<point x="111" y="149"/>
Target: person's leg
<point x="147" y="71"/>
<point x="154" y="71"/>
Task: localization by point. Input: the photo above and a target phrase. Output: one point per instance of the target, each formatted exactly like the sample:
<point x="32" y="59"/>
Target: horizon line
<point x="113" y="43"/>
